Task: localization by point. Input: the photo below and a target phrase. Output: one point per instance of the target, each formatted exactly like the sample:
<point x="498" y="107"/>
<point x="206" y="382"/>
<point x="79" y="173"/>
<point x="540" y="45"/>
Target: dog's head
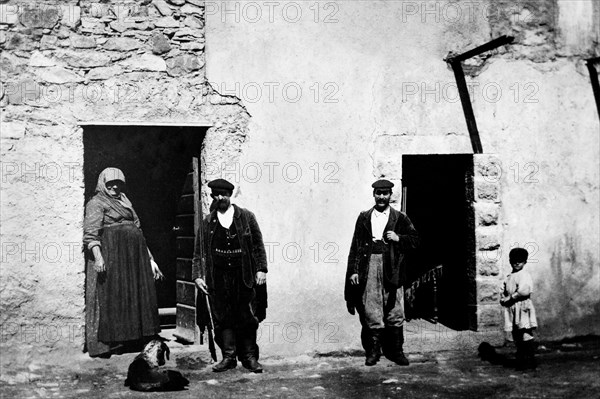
<point x="155" y="352"/>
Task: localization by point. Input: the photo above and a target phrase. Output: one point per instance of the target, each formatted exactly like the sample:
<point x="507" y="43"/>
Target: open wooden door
<point x="189" y="216"/>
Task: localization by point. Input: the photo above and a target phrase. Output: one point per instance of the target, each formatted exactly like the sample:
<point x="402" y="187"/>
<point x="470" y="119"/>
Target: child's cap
<point x="518" y="255"/>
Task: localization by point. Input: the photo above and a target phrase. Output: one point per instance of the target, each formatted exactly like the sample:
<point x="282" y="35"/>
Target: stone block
<point x="488" y="262"/>
<point x="488" y="291"/>
<point x="489" y="316"/>
<point x="48" y="42"/>
<point x="486" y="214"/>
<point x="103" y="73"/>
<point x="78" y="41"/>
<point x="39" y="60"/>
<point x="122" y="44"/>
<point x="22" y="91"/>
<point x="85" y="59"/>
<point x="160" y="43"/>
<point x="92" y="25"/>
<point x="166" y="22"/>
<point x="12" y="130"/>
<point x="162" y="7"/>
<point x="192" y="46"/>
<point x="59" y="75"/>
<point x="17" y="41"/>
<point x="40" y="17"/>
<point x="96" y="10"/>
<point x="71" y="15"/>
<point x="9" y="14"/>
<point x="485" y="191"/>
<point x="487" y="237"/>
<point x="488" y="167"/>
<point x="145" y="62"/>
<point x="190" y="9"/>
<point x="183" y="64"/>
<point x="193" y="22"/>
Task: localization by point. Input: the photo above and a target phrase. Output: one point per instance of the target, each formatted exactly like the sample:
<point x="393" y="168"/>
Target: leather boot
<point x="387" y="343"/>
<point x="248" y="351"/>
<point x="227" y="344"/>
<point x="397" y="342"/>
<point x="374" y="352"/>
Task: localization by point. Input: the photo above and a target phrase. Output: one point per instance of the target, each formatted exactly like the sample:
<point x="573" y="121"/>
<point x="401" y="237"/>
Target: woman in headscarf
<point x="121" y="307"/>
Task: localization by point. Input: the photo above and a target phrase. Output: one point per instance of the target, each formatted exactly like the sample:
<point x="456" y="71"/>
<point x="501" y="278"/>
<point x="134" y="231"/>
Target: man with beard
<point x="376" y="273"/>
<point x="230" y="265"/>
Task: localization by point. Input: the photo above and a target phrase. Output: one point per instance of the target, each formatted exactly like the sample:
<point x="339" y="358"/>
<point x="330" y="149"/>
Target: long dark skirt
<point x="121" y="302"/>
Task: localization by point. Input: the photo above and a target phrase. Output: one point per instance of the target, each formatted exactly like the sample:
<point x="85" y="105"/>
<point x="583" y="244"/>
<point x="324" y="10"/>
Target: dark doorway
<point x="438" y="198"/>
<point x="156" y="161"/>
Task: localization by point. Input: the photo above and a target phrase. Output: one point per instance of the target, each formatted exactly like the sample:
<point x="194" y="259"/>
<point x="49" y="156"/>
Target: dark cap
<point x="220" y="185"/>
<point x="518" y="255"/>
<point x="383" y="184"/>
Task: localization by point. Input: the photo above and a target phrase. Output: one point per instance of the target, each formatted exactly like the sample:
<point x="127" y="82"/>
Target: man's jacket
<point x="394" y="273"/>
<point x="254" y="256"/>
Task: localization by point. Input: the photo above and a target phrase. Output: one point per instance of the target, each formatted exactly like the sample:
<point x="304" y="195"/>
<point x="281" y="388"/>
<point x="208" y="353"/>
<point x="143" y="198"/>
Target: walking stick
<point x="211" y="333"/>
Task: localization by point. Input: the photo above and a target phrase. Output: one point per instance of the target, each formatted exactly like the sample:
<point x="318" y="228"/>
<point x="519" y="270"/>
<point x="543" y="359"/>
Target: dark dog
<point x="488" y="353"/>
<point x="144" y="375"/>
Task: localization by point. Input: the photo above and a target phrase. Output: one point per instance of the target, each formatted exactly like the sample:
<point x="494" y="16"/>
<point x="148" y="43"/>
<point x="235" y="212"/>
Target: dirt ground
<point x="566" y="370"/>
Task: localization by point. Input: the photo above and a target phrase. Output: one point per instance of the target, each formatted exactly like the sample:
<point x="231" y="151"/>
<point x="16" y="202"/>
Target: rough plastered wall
<point x="338" y="91"/>
<point x="64" y="63"/>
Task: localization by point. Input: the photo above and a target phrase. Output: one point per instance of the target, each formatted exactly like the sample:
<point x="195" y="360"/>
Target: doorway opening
<point x="157" y="162"/>
<point x="438" y="199"/>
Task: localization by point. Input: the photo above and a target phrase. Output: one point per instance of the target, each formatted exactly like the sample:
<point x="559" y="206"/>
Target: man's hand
<point x="201" y="285"/>
<point x="261" y="278"/>
<point x="156" y="271"/>
<point x="350" y="308"/>
<point x="354" y="279"/>
<point x="392" y="236"/>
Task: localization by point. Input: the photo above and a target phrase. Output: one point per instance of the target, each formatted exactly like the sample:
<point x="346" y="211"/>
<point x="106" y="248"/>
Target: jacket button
<point x="365" y="255"/>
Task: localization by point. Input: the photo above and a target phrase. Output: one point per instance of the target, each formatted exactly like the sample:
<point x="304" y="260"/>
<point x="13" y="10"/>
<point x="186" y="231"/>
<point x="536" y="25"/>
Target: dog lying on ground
<point x="488" y="353"/>
<point x="144" y="375"/>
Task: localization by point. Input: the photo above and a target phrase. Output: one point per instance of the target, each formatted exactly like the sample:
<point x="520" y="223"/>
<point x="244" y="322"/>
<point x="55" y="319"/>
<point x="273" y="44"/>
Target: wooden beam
<point x="463" y="90"/>
<point x="465" y="100"/>
<point x="594" y="78"/>
<point x="501" y="41"/>
<point x="146" y="123"/>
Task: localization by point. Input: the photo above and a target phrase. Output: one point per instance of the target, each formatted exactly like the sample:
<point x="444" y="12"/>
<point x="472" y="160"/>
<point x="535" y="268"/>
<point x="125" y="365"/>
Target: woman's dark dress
<point x="121" y="302"/>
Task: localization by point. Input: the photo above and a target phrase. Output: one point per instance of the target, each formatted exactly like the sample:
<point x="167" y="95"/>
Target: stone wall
<point x="70" y="62"/>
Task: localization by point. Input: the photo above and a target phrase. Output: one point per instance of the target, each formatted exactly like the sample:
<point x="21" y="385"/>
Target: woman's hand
<point x="201" y="285"/>
<point x="261" y="278"/>
<point x="354" y="279"/>
<point x="99" y="265"/>
<point x="156" y="271"/>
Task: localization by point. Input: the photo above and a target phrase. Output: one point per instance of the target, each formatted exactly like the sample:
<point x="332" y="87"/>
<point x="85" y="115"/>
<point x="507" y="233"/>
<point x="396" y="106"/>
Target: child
<point x="519" y="313"/>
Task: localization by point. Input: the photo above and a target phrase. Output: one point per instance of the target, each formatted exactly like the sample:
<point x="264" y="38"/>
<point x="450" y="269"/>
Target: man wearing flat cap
<point x="230" y="264"/>
<point x="375" y="276"/>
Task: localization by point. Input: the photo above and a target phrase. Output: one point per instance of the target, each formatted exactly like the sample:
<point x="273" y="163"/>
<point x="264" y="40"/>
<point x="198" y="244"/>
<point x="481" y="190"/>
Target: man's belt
<point x="379" y="247"/>
<point x="229" y="253"/>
